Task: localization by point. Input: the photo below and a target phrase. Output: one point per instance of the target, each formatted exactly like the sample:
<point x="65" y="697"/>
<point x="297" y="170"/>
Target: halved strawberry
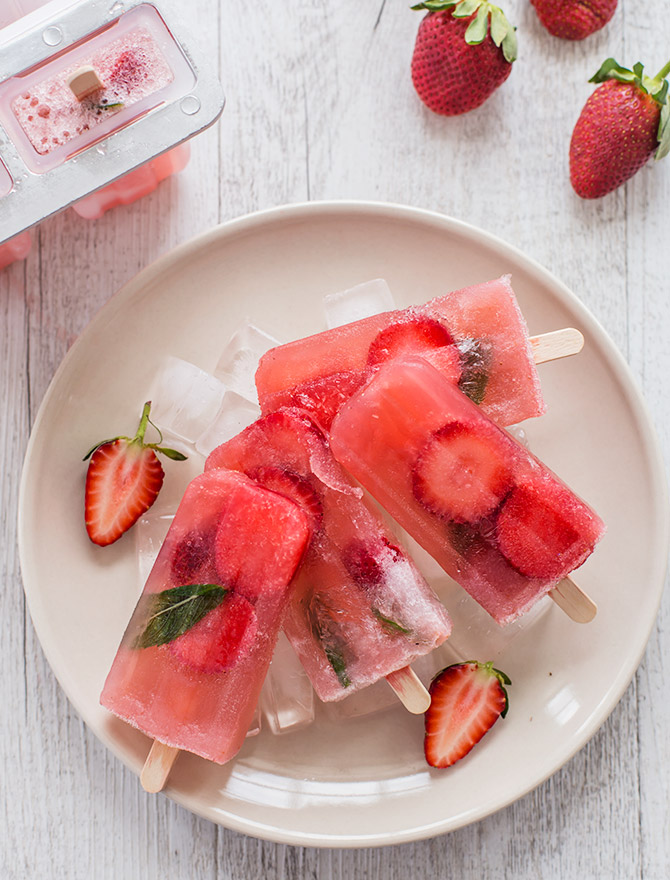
<point x="535" y="531"/>
<point x="221" y="639"/>
<point x="323" y="397"/>
<point x="292" y="486"/>
<point x="463" y="472"/>
<point x="413" y="335"/>
<point x="466" y="701"/>
<point x="123" y="480"/>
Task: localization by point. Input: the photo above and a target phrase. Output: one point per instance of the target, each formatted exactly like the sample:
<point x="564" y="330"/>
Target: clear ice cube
<point x="185" y="399"/>
<point x="287" y="699"/>
<point x="377" y="697"/>
<point x="358" y="302"/>
<point x="239" y="360"/>
<point x="150" y="531"/>
<point x="235" y="413"/>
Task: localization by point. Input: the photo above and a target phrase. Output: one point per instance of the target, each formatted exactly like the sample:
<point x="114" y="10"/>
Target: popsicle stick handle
<point x="557" y="344"/>
<point x="409" y="690"/>
<point x="574" y="601"/>
<point x="157" y="766"/>
<point x="84" y="82"/>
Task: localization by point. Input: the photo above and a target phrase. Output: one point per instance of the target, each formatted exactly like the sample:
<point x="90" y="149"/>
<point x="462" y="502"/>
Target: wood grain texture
<point x="320" y="105"/>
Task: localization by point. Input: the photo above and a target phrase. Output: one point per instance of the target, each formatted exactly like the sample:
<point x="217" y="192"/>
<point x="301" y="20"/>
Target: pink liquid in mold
<point x="130" y="68"/>
<point x="133" y="186"/>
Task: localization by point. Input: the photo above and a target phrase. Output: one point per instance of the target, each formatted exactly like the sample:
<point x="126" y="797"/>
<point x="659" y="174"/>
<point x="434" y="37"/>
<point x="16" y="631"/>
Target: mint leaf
<point x="173" y="612"/>
<point x="663" y="133"/>
<point x="475" y="367"/>
<point x="391" y="626"/>
<point x="328" y="633"/>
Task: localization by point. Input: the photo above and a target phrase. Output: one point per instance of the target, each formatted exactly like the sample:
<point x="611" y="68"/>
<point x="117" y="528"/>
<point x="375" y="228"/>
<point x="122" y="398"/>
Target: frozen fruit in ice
<point x="475" y="363"/>
<point x="129" y="69"/>
<point x="123" y="480"/>
<point x="190" y="555"/>
<point x="326" y="624"/>
<point x="539" y="532"/>
<point x="466" y="701"/>
<point x="414" y="335"/>
<point x="366" y="563"/>
<point x="272" y="523"/>
<point x="220" y="639"/>
<point x="291" y="485"/>
<point x="323" y="396"/>
<point x="462" y="473"/>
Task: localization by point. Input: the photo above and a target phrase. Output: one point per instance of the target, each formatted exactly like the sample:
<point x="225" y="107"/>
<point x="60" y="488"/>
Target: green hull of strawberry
<point x="360" y="609"/>
<point x="500" y="523"/>
<point x="191" y="664"/>
<point x="492" y="360"/>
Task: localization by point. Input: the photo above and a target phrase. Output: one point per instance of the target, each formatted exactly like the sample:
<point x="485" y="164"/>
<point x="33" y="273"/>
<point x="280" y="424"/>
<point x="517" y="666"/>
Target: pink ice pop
<point x="476" y="337"/>
<point x="360" y="609"/>
<point x="191" y="664"/>
<point x="496" y="519"/>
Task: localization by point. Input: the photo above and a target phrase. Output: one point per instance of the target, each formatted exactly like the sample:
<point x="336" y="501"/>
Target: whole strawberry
<point x="623" y="123"/>
<point x="574" y="19"/>
<point x="463" y="52"/>
<point x="123" y="480"/>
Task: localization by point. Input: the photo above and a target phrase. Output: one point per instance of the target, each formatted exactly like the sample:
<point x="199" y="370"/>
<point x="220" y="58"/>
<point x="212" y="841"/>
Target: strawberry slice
<point x="292" y="486"/>
<point x="463" y="472"/>
<point x="323" y="397"/>
<point x="191" y="554"/>
<point x="367" y="563"/>
<point x="536" y="538"/>
<point x="221" y="639"/>
<point x="411" y="336"/>
<point x="466" y="701"/>
<point x="123" y="480"/>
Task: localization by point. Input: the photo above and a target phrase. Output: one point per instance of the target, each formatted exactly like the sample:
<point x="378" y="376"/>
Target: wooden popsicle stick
<point x="557" y="344"/>
<point x="409" y="690"/>
<point x="574" y="601"/>
<point x="84" y="82"/>
<point x="157" y="766"/>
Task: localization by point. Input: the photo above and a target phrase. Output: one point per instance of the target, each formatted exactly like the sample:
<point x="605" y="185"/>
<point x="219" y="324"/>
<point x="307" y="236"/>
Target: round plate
<point x="355" y="782"/>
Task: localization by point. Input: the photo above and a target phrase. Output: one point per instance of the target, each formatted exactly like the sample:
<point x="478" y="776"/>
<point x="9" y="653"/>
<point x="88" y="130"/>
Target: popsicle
<point x="360" y="611"/>
<point x="497" y="520"/>
<point x="192" y="661"/>
<point x="476" y="336"/>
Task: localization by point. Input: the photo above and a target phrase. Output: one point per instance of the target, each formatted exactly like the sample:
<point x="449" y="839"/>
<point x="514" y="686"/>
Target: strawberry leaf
<point x="467" y="8"/>
<point x="663" y="133"/>
<point x="173" y="612"/>
<point x="435" y="5"/>
<point x="499" y="25"/>
<point x="478" y="27"/>
<point x="611" y="69"/>
<point x="510" y="45"/>
<point x="169" y="453"/>
<point x="103" y="443"/>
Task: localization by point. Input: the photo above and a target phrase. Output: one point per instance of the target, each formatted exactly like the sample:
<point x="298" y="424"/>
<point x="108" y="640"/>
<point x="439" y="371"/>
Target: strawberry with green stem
<point x="464" y="51"/>
<point x="123" y="480"/>
<point x="574" y="19"/>
<point x="624" y="122"/>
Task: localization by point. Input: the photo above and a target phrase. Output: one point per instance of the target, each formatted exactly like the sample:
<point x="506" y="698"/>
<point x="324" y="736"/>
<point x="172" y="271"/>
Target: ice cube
<point x="150" y="531"/>
<point x="287" y="699"/>
<point x="519" y="434"/>
<point x="239" y="360"/>
<point x="377" y="697"/>
<point x="185" y="399"/>
<point x="255" y="726"/>
<point x="358" y="302"/>
<point x="476" y="635"/>
<point x="235" y="413"/>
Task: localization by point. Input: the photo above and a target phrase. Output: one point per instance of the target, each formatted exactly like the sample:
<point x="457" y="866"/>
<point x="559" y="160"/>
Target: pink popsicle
<point x="476" y="336"/>
<point x="192" y="661"/>
<point x="496" y="519"/>
<point x="360" y="610"/>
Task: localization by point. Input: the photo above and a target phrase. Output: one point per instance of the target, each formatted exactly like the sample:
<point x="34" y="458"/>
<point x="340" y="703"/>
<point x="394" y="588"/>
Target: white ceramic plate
<point x="356" y="782"/>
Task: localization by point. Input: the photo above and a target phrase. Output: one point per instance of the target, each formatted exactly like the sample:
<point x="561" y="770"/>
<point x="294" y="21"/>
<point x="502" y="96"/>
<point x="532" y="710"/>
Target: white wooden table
<point x="321" y="106"/>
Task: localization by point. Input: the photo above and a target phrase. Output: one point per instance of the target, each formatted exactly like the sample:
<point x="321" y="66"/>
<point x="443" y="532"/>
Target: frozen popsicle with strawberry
<point x="192" y="661"/>
<point x="476" y="337"/>
<point x="496" y="519"/>
<point x="360" y="610"/>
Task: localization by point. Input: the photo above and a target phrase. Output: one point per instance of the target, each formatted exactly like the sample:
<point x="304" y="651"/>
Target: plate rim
<point x="393" y="211"/>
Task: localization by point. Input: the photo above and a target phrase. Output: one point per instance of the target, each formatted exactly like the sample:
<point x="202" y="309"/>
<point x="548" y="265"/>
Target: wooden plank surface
<point x="320" y="105"/>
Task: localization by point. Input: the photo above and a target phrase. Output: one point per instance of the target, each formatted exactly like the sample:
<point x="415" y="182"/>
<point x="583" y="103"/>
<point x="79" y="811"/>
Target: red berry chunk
<point x="190" y="555"/>
<point x="535" y="531"/>
<point x="463" y="472"/>
<point x="129" y="69"/>
<point x="466" y="701"/>
<point x="292" y="486"/>
<point x="221" y="639"/>
<point x="257" y="549"/>
<point x="323" y="397"/>
<point x="411" y="336"/>
<point x="366" y="563"/>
